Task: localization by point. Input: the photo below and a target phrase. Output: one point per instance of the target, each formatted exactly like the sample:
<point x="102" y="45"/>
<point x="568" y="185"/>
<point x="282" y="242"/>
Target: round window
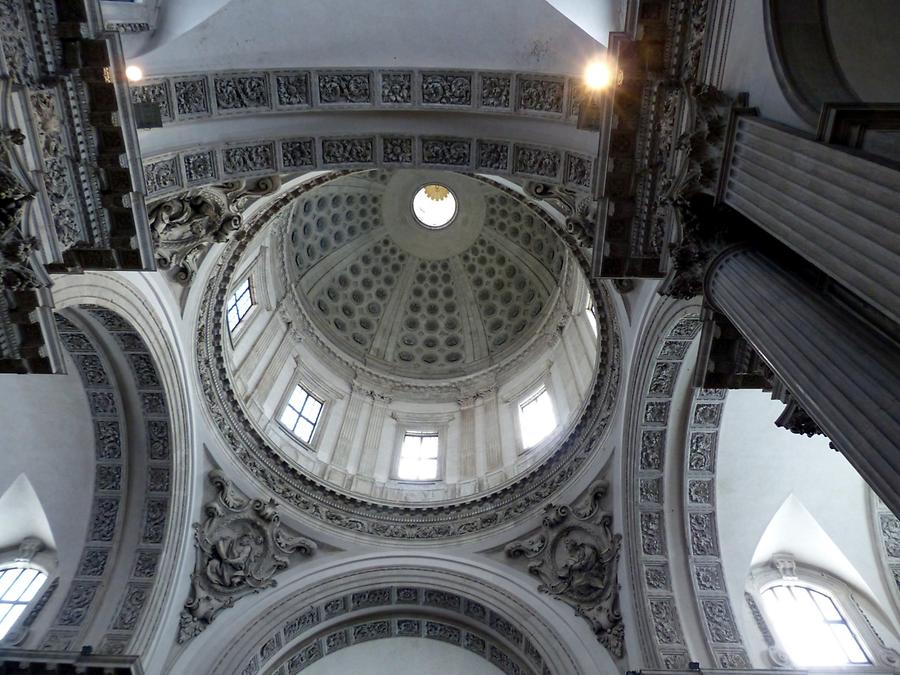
<point x="434" y="206"/>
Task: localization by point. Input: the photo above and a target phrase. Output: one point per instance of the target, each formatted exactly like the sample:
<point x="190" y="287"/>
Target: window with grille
<point x="811" y="628"/>
<point x="537" y="420"/>
<point x="301" y="414"/>
<point x="18" y="587"/>
<point x="240" y="302"/>
<point x="418" y="456"/>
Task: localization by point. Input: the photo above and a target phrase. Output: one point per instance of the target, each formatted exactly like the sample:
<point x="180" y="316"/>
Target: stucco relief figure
<point x="576" y="558"/>
<point x="240" y="547"/>
<point x="232" y="558"/>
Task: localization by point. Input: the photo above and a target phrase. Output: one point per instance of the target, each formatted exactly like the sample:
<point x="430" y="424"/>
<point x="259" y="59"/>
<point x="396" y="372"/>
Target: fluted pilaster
<point x="836" y="209"/>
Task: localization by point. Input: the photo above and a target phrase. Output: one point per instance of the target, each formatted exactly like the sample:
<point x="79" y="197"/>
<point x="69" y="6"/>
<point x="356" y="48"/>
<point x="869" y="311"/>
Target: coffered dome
<point x="425" y="302"/>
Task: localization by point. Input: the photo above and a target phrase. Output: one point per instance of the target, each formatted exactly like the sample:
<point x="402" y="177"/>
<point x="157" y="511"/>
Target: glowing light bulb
<point x="134" y="74"/>
<point x="597" y="75"/>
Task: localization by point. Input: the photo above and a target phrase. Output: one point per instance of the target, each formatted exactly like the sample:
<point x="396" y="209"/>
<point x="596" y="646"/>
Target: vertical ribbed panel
<point x="467" y="441"/>
<point x="372" y="440"/>
<point x="839" y="211"/>
<point x="341" y="455"/>
<point x="842" y="373"/>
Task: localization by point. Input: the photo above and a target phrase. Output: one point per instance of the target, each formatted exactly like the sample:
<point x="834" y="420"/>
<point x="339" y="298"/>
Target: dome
<point x="401" y="360"/>
<point x="412" y="300"/>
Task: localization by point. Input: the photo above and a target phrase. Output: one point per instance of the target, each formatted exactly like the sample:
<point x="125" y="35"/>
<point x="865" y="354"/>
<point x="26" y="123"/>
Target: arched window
<point x="19" y="585"/>
<point x="811" y="627"/>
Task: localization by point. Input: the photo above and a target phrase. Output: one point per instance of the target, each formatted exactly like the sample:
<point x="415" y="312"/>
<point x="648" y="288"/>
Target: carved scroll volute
<point x="575" y="556"/>
<point x="16" y="273"/>
<point x="580" y="213"/>
<point x="240" y="545"/>
<point x="186" y="225"/>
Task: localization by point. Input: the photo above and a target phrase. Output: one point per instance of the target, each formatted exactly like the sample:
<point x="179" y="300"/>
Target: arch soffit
<point x="119" y="307"/>
<point x="301" y="617"/>
<point x="673" y="431"/>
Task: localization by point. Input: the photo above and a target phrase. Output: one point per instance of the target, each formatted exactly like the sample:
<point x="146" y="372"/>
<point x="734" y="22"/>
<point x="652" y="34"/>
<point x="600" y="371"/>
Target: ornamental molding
<point x="240" y="547"/>
<point x="311" y="498"/>
<point x="185" y="226"/>
<point x="576" y="557"/>
<point x="213" y="163"/>
<point x="647" y="462"/>
<point x="400" y="610"/>
<point x="102" y="553"/>
<point x="211" y="95"/>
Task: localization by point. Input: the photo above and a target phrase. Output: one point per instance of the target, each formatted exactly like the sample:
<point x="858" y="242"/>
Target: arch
<point x="137" y="353"/>
<point x="682" y="605"/>
<point x="472" y="604"/>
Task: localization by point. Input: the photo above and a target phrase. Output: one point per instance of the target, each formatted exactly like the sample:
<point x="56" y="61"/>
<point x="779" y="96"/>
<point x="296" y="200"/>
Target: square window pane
<point x="233" y="318"/>
<point x="21" y="584"/>
<point x="826" y="606"/>
<point x="429" y="446"/>
<point x="311" y="409"/>
<point x="536" y="419"/>
<point x="289" y="418"/>
<point x="244" y="303"/>
<point x="848" y="643"/>
<point x="298" y="398"/>
<point x="33" y="588"/>
<point x="407" y="469"/>
<point x="7" y="577"/>
<point x="304" y="430"/>
<point x="428" y="469"/>
<point x="10" y="619"/>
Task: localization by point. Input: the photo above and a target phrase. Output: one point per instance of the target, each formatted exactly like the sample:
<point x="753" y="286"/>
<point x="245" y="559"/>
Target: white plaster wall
<point x="749" y="68"/>
<point x="45" y="424"/>
<point x="501" y="34"/>
<point x="46" y="433"/>
<point x="401" y="655"/>
<point x="759" y="467"/>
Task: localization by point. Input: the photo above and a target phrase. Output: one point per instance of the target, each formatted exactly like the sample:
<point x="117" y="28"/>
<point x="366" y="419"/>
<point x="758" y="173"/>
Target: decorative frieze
<point x="348" y="150"/>
<point x="184" y="97"/>
<point x="540" y="162"/>
<point x="245" y="159"/>
<point x="191" y="97"/>
<point x="495" y="91"/>
<point x="298" y="154"/>
<point x="446" y="151"/>
<point x="396" y="87"/>
<point x="544" y="95"/>
<point x="154" y="92"/>
<point x="241" y="92"/>
<point x="447" y="88"/>
<point x="344" y="88"/>
<point x="397" y="150"/>
<point x="292" y="90"/>
<point x="493" y="156"/>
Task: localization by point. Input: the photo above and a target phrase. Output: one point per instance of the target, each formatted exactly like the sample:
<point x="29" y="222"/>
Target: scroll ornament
<point x="576" y="556"/>
<point x="240" y="545"/>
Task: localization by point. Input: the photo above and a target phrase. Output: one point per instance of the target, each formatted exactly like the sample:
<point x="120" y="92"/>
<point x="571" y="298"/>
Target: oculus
<point x="434" y="206"/>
